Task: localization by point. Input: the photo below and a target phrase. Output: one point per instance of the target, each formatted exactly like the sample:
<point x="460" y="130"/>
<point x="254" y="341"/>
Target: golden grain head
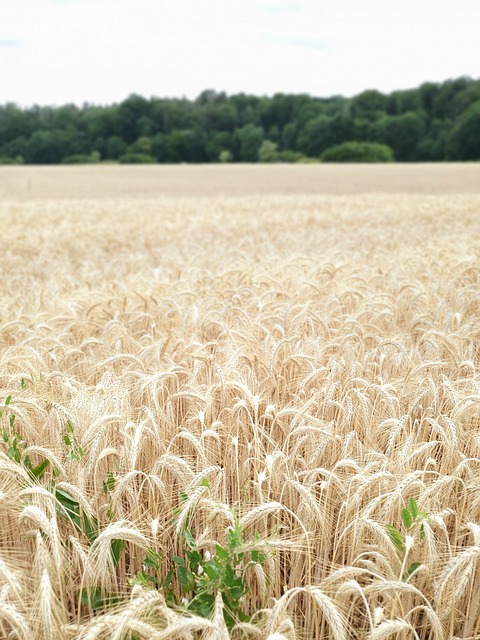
<point x="297" y="366"/>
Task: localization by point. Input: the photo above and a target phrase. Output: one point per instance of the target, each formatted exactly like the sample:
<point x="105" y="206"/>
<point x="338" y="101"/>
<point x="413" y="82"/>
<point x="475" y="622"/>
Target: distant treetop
<point x="434" y="122"/>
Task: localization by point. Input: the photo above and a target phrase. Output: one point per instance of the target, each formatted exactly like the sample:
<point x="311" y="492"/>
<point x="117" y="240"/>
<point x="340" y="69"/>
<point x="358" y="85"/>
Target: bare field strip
<point x="294" y="368"/>
<point x="105" y="181"/>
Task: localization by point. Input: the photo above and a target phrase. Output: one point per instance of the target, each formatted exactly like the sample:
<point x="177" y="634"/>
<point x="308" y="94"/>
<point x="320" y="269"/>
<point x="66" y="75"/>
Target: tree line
<point x="434" y="122"/>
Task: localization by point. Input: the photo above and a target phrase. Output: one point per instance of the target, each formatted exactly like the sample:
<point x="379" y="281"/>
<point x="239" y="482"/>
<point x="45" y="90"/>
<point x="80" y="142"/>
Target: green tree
<point x="130" y="117"/>
<point x="289" y="136"/>
<point x="402" y="133"/>
<point x="317" y="136"/>
<point x="249" y="139"/>
<point x="142" y="145"/>
<point x="217" y="142"/>
<point x="136" y="158"/>
<point x="433" y="146"/>
<point x="358" y="152"/>
<point x="464" y="139"/>
<point x="185" y="145"/>
<point x="325" y="131"/>
<point x="268" y="151"/>
<point x="115" y="147"/>
<point x="225" y="156"/>
<point x="369" y="105"/>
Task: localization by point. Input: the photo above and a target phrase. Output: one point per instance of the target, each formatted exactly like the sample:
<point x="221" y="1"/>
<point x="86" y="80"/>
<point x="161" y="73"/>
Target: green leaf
<point x="23" y="384"/>
<point x="212" y="571"/>
<point x="178" y="560"/>
<point x="109" y="483"/>
<point x="422" y="532"/>
<point x="236" y="593"/>
<point x="234" y="538"/>
<point x="168" y="579"/>
<point x="229" y="575"/>
<point x="139" y="578"/>
<point x="396" y="537"/>
<point x="411" y="569"/>
<point x="39" y="471"/>
<point x="8" y="399"/>
<point x="186" y="579"/>
<point x="407" y="518"/>
<point x="89" y="527"/>
<point x="67" y="440"/>
<point x="153" y="559"/>
<point x="189" y="539"/>
<point x="203" y="604"/>
<point x="412" y="507"/>
<point x="69" y="506"/>
<point x="229" y="620"/>
<point x="205" y="483"/>
<point x="195" y="559"/>
<point x="221" y="552"/>
<point x="242" y="616"/>
<point x="92" y="598"/>
<point x="116" y="547"/>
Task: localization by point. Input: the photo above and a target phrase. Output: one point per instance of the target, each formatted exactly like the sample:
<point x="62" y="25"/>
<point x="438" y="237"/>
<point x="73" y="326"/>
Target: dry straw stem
<point x="314" y="359"/>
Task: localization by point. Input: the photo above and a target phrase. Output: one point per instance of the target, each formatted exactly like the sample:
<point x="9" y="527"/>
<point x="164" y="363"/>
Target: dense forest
<point x="434" y="122"/>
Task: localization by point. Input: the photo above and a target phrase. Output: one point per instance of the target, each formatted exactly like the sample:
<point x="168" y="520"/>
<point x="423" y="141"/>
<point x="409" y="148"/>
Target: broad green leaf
<point x="396" y="537"/>
<point x="89" y="527"/>
<point x="92" y="598"/>
<point x="67" y="507"/>
<point x="39" y="471"/>
<point x="153" y="559"/>
<point x="407" y="518"/>
<point x="168" y="579"/>
<point x="116" y="547"/>
<point x="221" y="552"/>
<point x="412" y="507"/>
<point x="211" y="570"/>
<point x="139" y="578"/>
<point x="234" y="538"/>
<point x="236" y="592"/>
<point x="109" y="483"/>
<point x="186" y="579"/>
<point x="413" y="567"/>
<point x="190" y="540"/>
<point x="229" y="575"/>
<point x="203" y="604"/>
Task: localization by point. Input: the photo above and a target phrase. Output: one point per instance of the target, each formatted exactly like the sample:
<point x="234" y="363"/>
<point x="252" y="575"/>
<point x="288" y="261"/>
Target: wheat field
<point x="293" y="364"/>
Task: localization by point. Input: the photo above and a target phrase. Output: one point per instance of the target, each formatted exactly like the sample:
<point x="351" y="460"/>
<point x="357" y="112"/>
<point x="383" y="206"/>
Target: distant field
<point x="245" y="390"/>
<point x="235" y="180"/>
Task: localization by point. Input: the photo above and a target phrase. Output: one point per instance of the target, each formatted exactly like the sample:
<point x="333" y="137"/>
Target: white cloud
<point x="102" y="50"/>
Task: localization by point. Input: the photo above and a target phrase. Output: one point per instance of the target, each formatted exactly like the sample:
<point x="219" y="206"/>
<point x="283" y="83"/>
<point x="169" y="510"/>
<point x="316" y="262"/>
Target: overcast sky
<point x="100" y="51"/>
